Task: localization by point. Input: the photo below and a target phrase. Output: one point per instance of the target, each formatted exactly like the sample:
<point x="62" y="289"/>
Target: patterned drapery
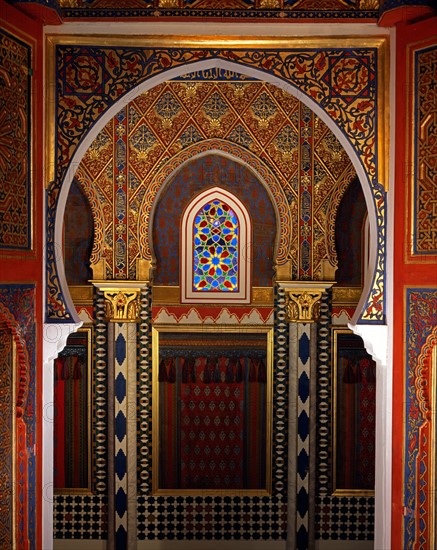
<point x="71" y="436"/>
<point x="212" y="422"/>
<point x="356" y="424"/>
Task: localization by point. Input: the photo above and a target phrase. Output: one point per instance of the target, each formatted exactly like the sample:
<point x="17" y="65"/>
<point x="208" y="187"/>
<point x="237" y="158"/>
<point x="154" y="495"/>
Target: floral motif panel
<point x="421" y="337"/>
<point x="424" y="152"/>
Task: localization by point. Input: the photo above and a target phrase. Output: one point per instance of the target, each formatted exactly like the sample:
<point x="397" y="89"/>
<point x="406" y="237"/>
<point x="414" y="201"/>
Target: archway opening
<point x="250" y="72"/>
<point x="154" y="147"/>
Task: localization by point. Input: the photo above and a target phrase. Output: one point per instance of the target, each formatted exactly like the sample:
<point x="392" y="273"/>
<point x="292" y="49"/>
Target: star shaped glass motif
<point x="216" y="234"/>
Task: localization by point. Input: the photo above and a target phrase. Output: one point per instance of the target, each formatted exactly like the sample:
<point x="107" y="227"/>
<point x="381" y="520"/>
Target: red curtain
<point x="70" y="429"/>
<point x="356" y="424"/>
<point x="212" y="423"/>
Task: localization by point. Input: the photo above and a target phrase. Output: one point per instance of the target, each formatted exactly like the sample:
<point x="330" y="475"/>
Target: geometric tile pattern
<point x="120" y="434"/>
<point x="345" y="518"/>
<point x="424" y="150"/>
<point x="211" y="518"/>
<point x="280" y="395"/>
<point x="100" y="396"/>
<point x="80" y="517"/>
<point x="237" y="9"/>
<point x="15" y="143"/>
<point x="303" y="435"/>
<point x="144" y="399"/>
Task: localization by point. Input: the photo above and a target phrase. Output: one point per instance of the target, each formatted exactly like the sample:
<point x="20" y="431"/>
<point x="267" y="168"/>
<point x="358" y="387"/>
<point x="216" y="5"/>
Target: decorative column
<point x="122" y="312"/>
<point x="303" y="307"/>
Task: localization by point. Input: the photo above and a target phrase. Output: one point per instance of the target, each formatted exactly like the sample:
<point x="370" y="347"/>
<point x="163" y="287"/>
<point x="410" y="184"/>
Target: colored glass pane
<point x="215" y="262"/>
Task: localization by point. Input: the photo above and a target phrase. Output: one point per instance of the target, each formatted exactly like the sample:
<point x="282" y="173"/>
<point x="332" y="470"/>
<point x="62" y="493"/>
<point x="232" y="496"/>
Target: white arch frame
<point x="376" y="337"/>
<point x="239" y="69"/>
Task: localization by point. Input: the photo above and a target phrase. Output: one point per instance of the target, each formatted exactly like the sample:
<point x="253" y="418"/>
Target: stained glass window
<point x="216" y="249"/>
<point x="216" y="239"/>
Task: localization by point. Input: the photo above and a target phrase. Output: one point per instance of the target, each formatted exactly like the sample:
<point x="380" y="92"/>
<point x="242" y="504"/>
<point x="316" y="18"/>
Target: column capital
<point x="122" y="299"/>
<point x="303" y="299"/>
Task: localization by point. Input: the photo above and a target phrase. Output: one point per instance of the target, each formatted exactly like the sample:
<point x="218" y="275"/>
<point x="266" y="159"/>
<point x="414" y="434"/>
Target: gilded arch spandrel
<point x="222" y="113"/>
<point x="341" y="82"/>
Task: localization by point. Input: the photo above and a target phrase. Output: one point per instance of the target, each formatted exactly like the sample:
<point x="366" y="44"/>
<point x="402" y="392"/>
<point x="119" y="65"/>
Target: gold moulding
<point x="171" y="295"/>
<point x="346" y="295"/>
<point x="82" y="294"/>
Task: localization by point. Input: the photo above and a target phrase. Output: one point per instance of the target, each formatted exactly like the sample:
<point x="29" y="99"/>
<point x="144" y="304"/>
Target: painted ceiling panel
<point x="230" y="9"/>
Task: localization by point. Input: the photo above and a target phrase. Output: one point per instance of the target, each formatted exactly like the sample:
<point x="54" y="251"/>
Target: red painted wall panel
<point x="409" y="270"/>
<point x="27" y="266"/>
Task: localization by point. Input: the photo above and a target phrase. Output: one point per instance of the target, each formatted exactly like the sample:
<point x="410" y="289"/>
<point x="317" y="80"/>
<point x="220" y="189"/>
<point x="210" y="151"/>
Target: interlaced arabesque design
<point x="425" y="152"/>
<point x="15" y="107"/>
<point x="342" y="81"/>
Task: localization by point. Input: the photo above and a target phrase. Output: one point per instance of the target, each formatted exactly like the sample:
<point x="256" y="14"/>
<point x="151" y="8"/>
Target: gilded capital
<point x="304" y="306"/>
<point x="122" y="305"/>
<point x="122" y="300"/>
<point x="303" y="299"/>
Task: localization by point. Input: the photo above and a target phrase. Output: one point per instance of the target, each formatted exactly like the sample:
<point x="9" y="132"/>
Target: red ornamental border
<point x="21" y="456"/>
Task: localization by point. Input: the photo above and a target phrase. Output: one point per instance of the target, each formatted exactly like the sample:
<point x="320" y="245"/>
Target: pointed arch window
<point x="216" y="249"/>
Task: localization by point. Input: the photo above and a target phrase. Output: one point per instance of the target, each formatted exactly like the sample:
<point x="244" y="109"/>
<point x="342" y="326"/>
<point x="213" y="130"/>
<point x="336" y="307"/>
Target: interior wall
<point x="21" y="250"/>
<point x="304" y="270"/>
<point x="78" y="237"/>
<point x="178" y="190"/>
<point x="191" y="179"/>
<point x="349" y="238"/>
<point x="414" y="282"/>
